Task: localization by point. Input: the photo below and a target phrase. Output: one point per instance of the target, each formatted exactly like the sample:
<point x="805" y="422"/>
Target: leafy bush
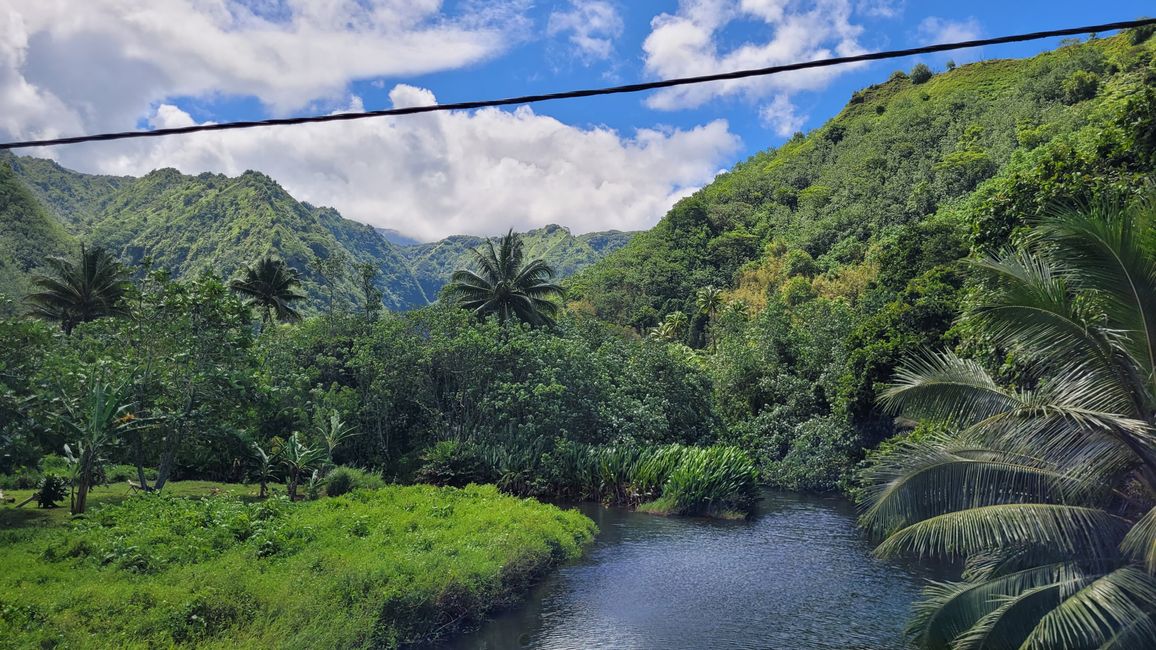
<point x="821" y="453"/>
<point x="51" y="490"/>
<point x="347" y="479"/>
<point x="709" y="481"/>
<point x="1080" y="85"/>
<point x="451" y="463"/>
<point x="921" y="74"/>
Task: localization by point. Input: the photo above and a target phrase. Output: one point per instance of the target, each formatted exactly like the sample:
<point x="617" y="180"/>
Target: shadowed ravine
<point x="799" y="575"/>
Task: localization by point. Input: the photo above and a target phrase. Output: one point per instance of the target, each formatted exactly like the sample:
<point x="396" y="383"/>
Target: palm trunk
<point x="84" y="482"/>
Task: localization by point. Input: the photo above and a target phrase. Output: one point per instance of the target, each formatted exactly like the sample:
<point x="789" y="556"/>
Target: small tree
<point x="921" y="74"/>
<point x="298" y="458"/>
<point x="333" y="431"/>
<point x="97" y="419"/>
<point x="264" y="470"/>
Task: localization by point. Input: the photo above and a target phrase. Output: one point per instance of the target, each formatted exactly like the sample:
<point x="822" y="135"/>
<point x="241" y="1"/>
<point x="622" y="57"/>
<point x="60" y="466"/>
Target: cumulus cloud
<point x="102" y="64"/>
<point x="782" y="116"/>
<point x="436" y="174"/>
<point x="687" y="43"/>
<point x="592" y="27"/>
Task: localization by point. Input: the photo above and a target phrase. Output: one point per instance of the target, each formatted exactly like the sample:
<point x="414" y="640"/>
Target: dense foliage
<point x="372" y="569"/>
<point x="1045" y="486"/>
<point x="839" y="251"/>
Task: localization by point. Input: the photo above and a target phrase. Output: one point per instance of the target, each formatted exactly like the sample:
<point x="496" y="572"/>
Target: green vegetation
<point x="840" y="250"/>
<point x="187" y="225"/>
<point x="1044" y="480"/>
<point x="669" y="479"/>
<point x="507" y="286"/>
<point x="270" y="286"/>
<point x="435" y="262"/>
<point x="73" y="292"/>
<point x="373" y="568"/>
<point x="745" y="339"/>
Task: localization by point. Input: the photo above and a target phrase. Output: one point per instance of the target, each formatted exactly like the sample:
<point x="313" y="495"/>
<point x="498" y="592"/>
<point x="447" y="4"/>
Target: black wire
<point x="591" y="92"/>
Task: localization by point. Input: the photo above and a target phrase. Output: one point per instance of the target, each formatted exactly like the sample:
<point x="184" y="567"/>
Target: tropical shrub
<point x="347" y="479"/>
<point x="921" y="74"/>
<point x="709" y="481"/>
<point x="51" y="490"/>
<point x="452" y="463"/>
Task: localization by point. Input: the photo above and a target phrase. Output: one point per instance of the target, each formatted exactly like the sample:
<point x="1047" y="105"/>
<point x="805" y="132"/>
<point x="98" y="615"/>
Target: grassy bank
<point x="369" y="569"/>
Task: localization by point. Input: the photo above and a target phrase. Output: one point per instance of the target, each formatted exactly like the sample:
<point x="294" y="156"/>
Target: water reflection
<point x="799" y="575"/>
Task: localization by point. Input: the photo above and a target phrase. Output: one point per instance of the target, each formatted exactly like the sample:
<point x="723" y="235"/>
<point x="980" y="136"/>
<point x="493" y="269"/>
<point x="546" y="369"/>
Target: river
<point x="798" y="575"/>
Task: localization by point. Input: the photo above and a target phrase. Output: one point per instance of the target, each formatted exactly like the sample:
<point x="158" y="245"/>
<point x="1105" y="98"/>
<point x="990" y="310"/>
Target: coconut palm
<point x="672" y="328"/>
<point x="507" y="286"/>
<point x="1045" y="490"/>
<point x="81" y="290"/>
<point x="708" y="300"/>
<point x="271" y="286"/>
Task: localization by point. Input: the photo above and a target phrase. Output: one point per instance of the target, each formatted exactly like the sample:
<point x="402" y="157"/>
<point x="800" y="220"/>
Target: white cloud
<point x="881" y="8"/>
<point x="782" y="116"/>
<point x="942" y="30"/>
<point x="436" y="174"/>
<point x="592" y="26"/>
<point x="933" y="30"/>
<point x="687" y="43"/>
<point x="101" y="64"/>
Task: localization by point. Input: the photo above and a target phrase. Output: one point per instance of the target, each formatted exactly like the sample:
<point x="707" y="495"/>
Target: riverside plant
<point x="663" y="479"/>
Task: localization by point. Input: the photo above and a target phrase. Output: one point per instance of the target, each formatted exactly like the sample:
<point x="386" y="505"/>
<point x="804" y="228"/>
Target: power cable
<point x="591" y="92"/>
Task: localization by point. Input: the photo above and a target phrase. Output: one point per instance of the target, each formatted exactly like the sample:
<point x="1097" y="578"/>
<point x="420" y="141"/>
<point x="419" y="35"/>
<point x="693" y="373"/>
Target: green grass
<point x="113" y="493"/>
<point x="370" y="569"/>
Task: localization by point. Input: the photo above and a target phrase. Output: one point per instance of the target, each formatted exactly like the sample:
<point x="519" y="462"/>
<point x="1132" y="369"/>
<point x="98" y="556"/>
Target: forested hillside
<point x="838" y="253"/>
<point x="210" y="222"/>
<point x="28" y="234"/>
<point x="433" y="263"/>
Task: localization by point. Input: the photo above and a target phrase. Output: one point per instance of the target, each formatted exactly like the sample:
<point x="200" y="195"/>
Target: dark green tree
<point x="78" y="291"/>
<point x="507" y="286"/>
<point x="271" y="285"/>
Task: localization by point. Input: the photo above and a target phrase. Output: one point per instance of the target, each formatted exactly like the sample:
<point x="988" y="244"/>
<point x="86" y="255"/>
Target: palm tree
<point x="82" y="290"/>
<point x="1046" y="490"/>
<point x="505" y="286"/>
<point x="708" y="300"/>
<point x="672" y="328"/>
<point x="271" y="285"/>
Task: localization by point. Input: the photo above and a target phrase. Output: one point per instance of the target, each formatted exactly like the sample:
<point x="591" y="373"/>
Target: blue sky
<point x="590" y="164"/>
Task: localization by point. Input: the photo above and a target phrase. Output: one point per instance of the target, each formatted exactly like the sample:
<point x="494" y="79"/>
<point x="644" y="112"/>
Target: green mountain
<point x="433" y="263"/>
<point x="210" y="222"/>
<point x="839" y="252"/>
<point x="28" y="234"/>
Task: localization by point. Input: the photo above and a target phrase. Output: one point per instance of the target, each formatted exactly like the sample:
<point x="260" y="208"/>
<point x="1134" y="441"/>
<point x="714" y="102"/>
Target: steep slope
<point x="900" y="153"/>
<point x="210" y="222"/>
<point x="433" y="263"/>
<point x="838" y="253"/>
<point x="75" y="199"/>
<point x="28" y="235"/>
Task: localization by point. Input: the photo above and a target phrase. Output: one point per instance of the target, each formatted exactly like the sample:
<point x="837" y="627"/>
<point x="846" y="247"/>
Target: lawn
<point x="375" y="568"/>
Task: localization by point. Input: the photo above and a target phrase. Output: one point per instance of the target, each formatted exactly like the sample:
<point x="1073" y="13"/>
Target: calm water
<point x="799" y="575"/>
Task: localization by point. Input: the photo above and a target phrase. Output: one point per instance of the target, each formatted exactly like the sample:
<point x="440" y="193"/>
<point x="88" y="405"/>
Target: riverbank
<point x="370" y="569"/>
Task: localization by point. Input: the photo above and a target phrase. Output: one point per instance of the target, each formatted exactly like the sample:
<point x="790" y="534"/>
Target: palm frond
<point x="1075" y="530"/>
